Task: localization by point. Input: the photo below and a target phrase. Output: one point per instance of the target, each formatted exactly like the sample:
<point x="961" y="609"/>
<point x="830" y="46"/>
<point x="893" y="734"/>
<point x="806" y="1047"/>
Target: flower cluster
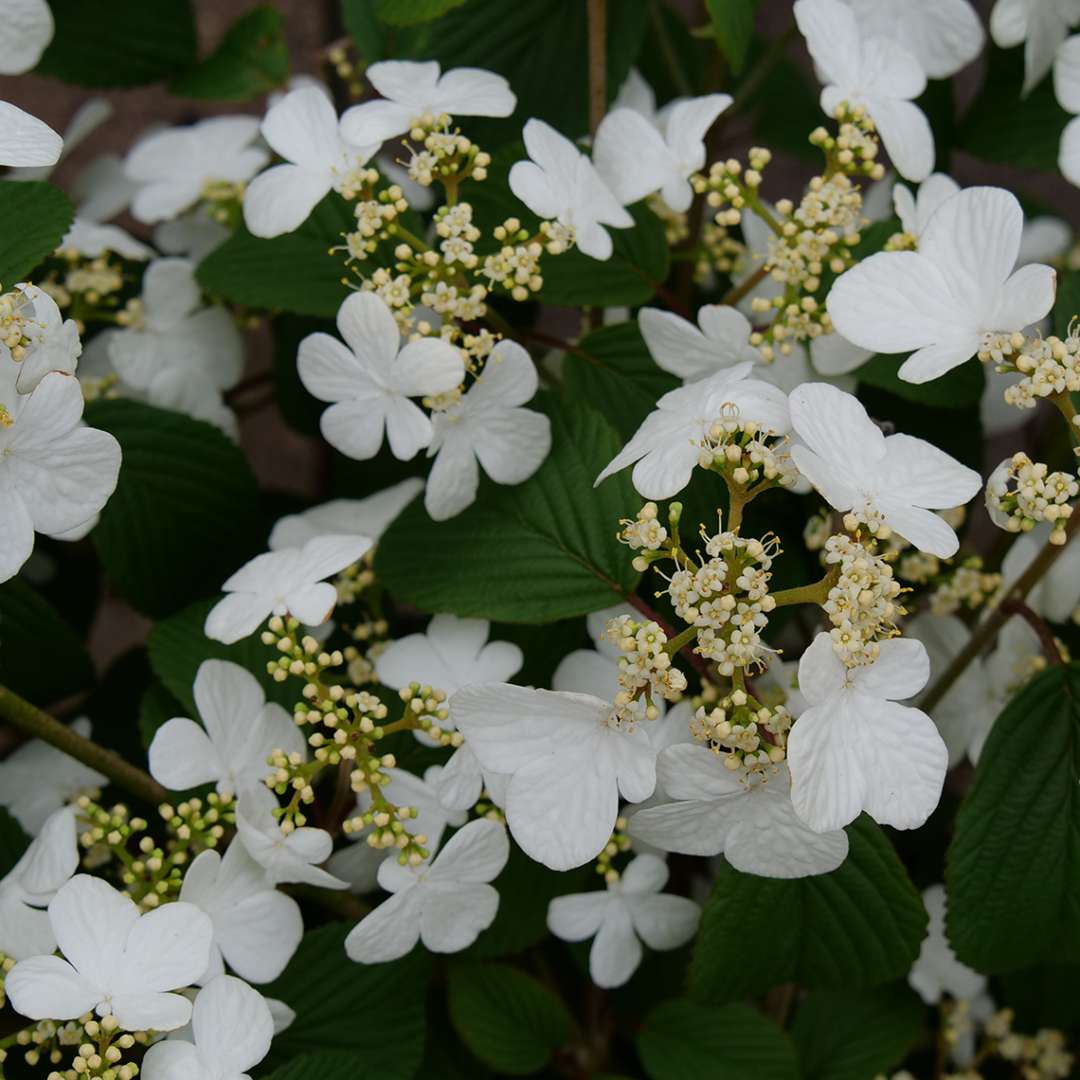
<point x="1020" y="493"/>
<point x="746" y="734"/>
<point x="645" y="665"/>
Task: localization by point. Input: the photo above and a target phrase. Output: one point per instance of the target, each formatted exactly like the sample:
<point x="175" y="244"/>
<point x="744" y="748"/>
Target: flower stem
<point x="21" y="714"/>
<point x="815" y="593"/>
<point x="597" y="22"/>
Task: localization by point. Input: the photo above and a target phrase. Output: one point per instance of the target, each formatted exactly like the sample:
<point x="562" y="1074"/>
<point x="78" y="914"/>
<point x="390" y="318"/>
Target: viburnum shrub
<point x="663" y="669"/>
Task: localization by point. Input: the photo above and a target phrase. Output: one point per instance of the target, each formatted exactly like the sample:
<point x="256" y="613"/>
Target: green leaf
<point x="332" y="1066"/>
<point x="639" y="264"/>
<point x="733" y="27"/>
<point x="41" y="657"/>
<point x="959" y="388"/>
<point x="1042" y="997"/>
<point x="358" y="18"/>
<point x="337" y="1002"/>
<point x="252" y="59"/>
<point x="1067" y="302"/>
<point x="294" y="273"/>
<point x="156" y="707"/>
<point x="177" y="646"/>
<point x="44" y="214"/>
<point x="612" y="368"/>
<point x="540" y="551"/>
<point x="121" y="43"/>
<point x="185" y="512"/>
<point x="410" y="12"/>
<point x="859" y="926"/>
<point x="13" y="842"/>
<point x="506" y="1018"/>
<point x="681" y="1039"/>
<point x="850" y="1036"/>
<point x="300" y="410"/>
<point x="1015" y="855"/>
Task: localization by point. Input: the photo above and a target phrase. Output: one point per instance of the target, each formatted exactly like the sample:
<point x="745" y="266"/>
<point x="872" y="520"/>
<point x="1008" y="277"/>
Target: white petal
<point x="455" y="475"/>
<point x="616" y="952"/>
<point x="475" y="854"/>
<point x="906" y="135"/>
<point x="899" y="672"/>
<point x="281" y="199"/>
<point x="578" y="917"/>
<point x="166" y="949"/>
<point x="28" y="28"/>
<point x="408" y="429"/>
<point x="663" y="922"/>
<point x="48" y="988"/>
<point x="303" y="128"/>
<point x="388" y="932"/>
<point x="916" y="471"/>
<point x="455" y="915"/>
<point x="25" y="140"/>
<point x="92" y="922"/>
<point x="428" y="366"/>
<point x="471" y="91"/>
<point x="232" y="1025"/>
<point x="631" y="156"/>
<point x="330" y="371"/>
<point x="236" y="616"/>
<point x="182" y="756"/>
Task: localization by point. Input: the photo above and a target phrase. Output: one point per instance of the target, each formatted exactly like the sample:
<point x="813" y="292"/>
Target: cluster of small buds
<point x="384" y="823"/>
<point x="1021" y="492"/>
<point x="441" y="154"/>
<point x="967" y="586"/>
<point x="428" y="709"/>
<point x="918" y="567"/>
<point x="462" y="302"/>
<point x="99" y="1048"/>
<point x="645" y="667"/>
<point x="353" y="580"/>
<point x="720" y="253"/>
<point x="676" y="222"/>
<point x="457" y="233"/>
<point x="729" y="188"/>
<point x="337" y="56"/>
<point x="1049" y="366"/>
<point x="224" y="201"/>
<point x="1042" y="1056"/>
<point x="375" y="214"/>
<point x="745" y="733"/>
<point x="619" y="844"/>
<point x="516" y="265"/>
<point x="6" y="964"/>
<point x="863" y="603"/>
<point x="557" y="237"/>
<point x="854" y="149"/>
<point x="15" y="323"/>
<point x="643" y="533"/>
<point x="94" y="281"/>
<point x="746" y="454"/>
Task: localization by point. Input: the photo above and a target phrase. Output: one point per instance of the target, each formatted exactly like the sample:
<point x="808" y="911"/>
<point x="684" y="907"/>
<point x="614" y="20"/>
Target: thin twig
<point x="1015" y="606"/>
<point x="597" y="23"/>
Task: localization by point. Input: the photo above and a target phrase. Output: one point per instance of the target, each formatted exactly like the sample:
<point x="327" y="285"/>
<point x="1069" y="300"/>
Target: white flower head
<point x="232" y="1029"/>
<point x="940" y="301"/>
<point x="870" y="71"/>
<point x="445" y="903"/>
<point x="1040" y="24"/>
<point x="749" y="817"/>
<point x="1067" y="91"/>
<point x="257" y="928"/>
<point x="856" y="749"/>
<point x="28" y="29"/>
<point x="895" y="480"/>
<point x="720" y="341"/>
<point x="636" y="155"/>
<point x="26" y="141"/>
<point x="371" y="377"/>
<point x="291" y="580"/>
<point x="569" y="757"/>
<point x="668" y="444"/>
<point x="173" y="167"/>
<point x="303" y="129"/>
<point x="559" y="183"/>
<point x="415" y="92"/>
<point x="52" y="342"/>
<point x="25" y="929"/>
<point x="55" y="473"/>
<point x="621" y="917"/>
<point x="240" y="730"/>
<point x="37" y="779"/>
<point x="937" y="971"/>
<point x="117" y="962"/>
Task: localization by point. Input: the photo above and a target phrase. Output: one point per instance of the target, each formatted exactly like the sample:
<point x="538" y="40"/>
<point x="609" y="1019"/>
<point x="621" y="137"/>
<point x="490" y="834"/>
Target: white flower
<point x="444" y="904"/>
<point x="415" y="92"/>
<point x="117" y="962"/>
<point x="942" y="35"/>
<point x="28" y="28"/>
<point x="173" y="167"/>
<point x="369" y="517"/>
<point x="569" y="757"/>
<point x="232" y="1029"/>
<point x="52" y="341"/>
<point x="241" y="730"/>
<point x="896" y="480"/>
<point x="628" y="912"/>
<point x="856" y="749"/>
<point x="720" y="341"/>
<point x="942" y="299"/>
<point x="193" y="235"/>
<point x="937" y="970"/>
<point x="487" y="427"/>
<point x="371" y="377"/>
<point x="1056" y="595"/>
<point x="1040" y="24"/>
<point x="256" y="928"/>
<point x="636" y="155"/>
<point x="749" y="817"/>
<point x="560" y="183"/>
<point x="37" y="779"/>
<point x="286" y="857"/>
<point x="872" y="71"/>
<point x="303" y="129"/>
<point x="32" y="882"/>
<point x="668" y="444"/>
<point x="1067" y="90"/>
<point x="55" y="473"/>
<point x="101" y="191"/>
<point x="287" y="581"/>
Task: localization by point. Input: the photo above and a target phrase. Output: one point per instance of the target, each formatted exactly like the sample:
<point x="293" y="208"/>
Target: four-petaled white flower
<point x="257" y="928"/>
<point x="118" y="962"/>
<point x="231" y="1028"/>
<point x="1067" y="91"/>
<point x="873" y="72"/>
<point x="749" y="817"/>
<point x="569" y="757"/>
<point x="415" y="92"/>
<point x="941" y="300"/>
<point x="287" y="581"/>
<point x="637" y="155"/>
<point x="303" y="129"/>
<point x="561" y="184"/>
<point x="55" y="473"/>
<point x="628" y="912"/>
<point x="937" y="971"/>
<point x="25" y="929"/>
<point x="1040" y="24"/>
<point x="28" y="28"/>
<point x="856" y="749"/>
<point x="173" y="167"/>
<point x="896" y="480"/>
<point x="445" y="903"/>
<point x="719" y="341"/>
<point x="667" y="446"/>
<point x="487" y="427"/>
<point x="52" y="341"/>
<point x="240" y="729"/>
<point x="26" y="141"/>
<point x="371" y="377"/>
